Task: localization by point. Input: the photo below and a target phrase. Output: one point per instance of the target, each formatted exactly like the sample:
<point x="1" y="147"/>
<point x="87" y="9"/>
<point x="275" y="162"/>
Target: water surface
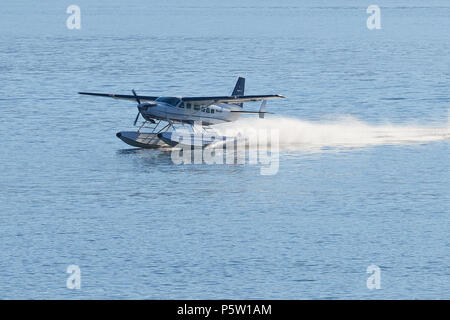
<point x="142" y="227"/>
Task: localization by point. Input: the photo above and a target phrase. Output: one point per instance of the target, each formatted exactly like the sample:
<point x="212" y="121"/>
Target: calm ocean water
<point x="365" y="179"/>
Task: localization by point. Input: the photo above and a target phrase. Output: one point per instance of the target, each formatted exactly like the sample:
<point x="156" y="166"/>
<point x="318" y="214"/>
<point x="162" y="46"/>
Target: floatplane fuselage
<point x="178" y="111"/>
<point x="198" y="112"/>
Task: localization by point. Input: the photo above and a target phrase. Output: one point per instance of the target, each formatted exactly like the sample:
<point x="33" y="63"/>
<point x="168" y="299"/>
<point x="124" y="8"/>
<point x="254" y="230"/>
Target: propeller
<point x="136" y="120"/>
<point x="135" y="95"/>
<point x="139" y="102"/>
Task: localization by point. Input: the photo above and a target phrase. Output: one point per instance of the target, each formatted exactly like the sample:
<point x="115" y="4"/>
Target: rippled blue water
<point x="139" y="226"/>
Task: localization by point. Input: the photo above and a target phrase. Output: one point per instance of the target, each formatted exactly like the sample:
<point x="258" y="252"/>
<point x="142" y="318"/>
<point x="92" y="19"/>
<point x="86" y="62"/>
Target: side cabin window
<point x="196" y="107"/>
<point x="208" y="110"/>
<point x="188" y="105"/>
<point x="212" y="110"/>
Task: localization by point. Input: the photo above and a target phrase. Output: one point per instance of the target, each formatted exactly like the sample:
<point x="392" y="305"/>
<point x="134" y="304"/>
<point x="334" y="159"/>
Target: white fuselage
<point x="184" y="112"/>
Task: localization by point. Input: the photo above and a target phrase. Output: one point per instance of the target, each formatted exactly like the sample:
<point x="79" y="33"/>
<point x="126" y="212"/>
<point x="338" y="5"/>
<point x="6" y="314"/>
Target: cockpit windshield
<point x="173" y="101"/>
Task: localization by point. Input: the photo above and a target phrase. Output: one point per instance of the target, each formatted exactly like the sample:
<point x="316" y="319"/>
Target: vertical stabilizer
<point x="239" y="89"/>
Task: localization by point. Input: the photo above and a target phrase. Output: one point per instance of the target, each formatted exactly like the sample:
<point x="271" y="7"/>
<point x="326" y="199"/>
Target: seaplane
<point x="165" y="116"/>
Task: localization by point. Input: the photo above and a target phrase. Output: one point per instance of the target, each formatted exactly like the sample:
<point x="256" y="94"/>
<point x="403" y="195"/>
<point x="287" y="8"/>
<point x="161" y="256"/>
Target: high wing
<point x="197" y="100"/>
<point x="229" y="99"/>
<point x="120" y="96"/>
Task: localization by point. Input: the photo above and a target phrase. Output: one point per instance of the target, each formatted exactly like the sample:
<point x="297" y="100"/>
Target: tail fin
<point x="239" y="89"/>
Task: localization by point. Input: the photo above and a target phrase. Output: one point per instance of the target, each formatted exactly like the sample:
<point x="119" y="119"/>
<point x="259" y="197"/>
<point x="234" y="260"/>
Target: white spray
<point x="345" y="132"/>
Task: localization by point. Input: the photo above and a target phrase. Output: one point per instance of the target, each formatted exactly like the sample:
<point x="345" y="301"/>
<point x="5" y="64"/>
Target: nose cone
<point x="142" y="107"/>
